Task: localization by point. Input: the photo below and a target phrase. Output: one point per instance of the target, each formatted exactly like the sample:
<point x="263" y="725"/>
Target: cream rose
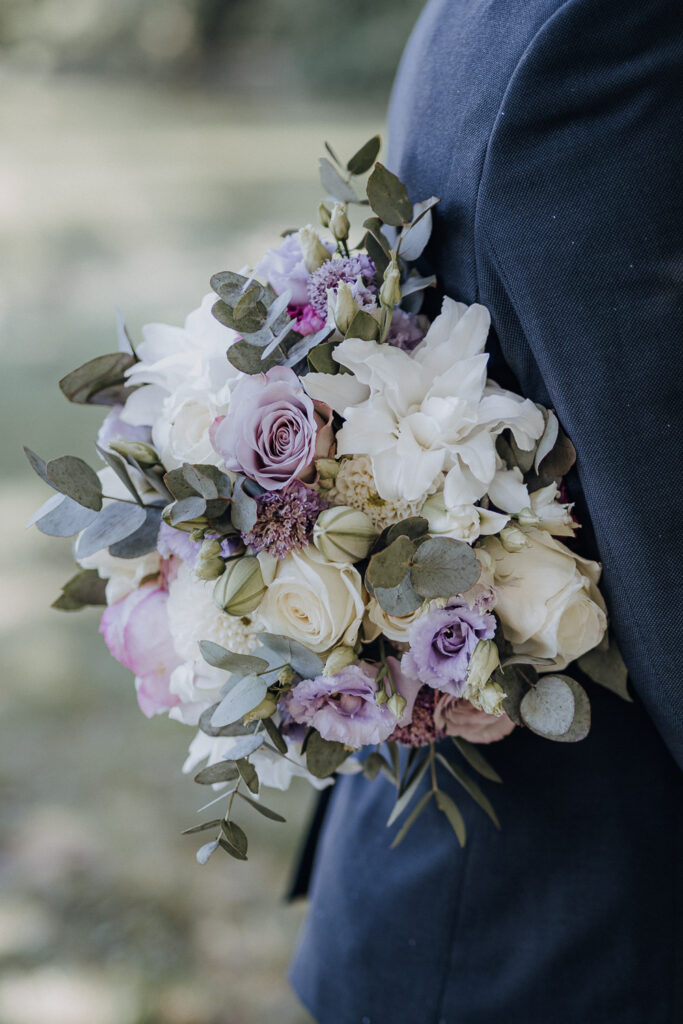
<point x="547" y="599"/>
<point x="316" y="602"/>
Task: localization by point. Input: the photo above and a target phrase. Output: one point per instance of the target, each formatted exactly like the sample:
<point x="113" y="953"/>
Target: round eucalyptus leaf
<point x="74" y="477"/>
<point x="558" y="708"/>
<point x="443" y="567"/>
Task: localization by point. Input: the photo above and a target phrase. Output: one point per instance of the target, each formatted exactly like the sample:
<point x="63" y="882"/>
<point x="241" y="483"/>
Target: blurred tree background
<point x="145" y="145"/>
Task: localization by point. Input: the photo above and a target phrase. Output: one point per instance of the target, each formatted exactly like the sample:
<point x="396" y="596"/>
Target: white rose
<point x="393" y="627"/>
<point x="181" y="431"/>
<point x="547" y="599"/>
<point x="318" y="603"/>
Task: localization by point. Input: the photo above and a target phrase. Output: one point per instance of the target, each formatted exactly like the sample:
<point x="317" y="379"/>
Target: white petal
<point x="508" y="491"/>
<point x="341" y="391"/>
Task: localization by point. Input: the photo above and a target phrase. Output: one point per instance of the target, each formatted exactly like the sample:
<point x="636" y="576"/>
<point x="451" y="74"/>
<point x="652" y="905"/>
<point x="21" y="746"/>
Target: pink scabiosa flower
<point x="343" y="707"/>
<point x="136" y="631"/>
<point x="357" y="271"/>
<point x="273" y="431"/>
<point x="285" y="519"/>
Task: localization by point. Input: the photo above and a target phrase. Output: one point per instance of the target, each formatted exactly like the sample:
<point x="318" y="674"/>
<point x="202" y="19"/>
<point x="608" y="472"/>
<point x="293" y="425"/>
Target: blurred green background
<point x="144" y="146"/>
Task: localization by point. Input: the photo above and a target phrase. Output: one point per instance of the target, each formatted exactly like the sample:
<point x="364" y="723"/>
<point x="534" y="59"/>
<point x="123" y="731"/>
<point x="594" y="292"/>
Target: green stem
<point x="432" y="767"/>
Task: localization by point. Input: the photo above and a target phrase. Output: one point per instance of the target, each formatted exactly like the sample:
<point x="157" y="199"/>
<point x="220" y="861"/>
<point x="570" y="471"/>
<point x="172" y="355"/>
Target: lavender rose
<point x="442" y="643"/>
<point x="136" y="631"/>
<point x="273" y="430"/>
<point x="342" y="707"/>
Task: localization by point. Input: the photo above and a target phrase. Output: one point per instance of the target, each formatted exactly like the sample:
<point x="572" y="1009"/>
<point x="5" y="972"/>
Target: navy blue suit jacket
<point x="551" y="131"/>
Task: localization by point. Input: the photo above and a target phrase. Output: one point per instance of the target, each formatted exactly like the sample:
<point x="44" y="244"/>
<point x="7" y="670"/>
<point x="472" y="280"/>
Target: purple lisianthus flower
<point x="273" y="431"/>
<point x="442" y="643"/>
<point x="305" y="319"/>
<point x="357" y="271"/>
<point x="136" y="631"/>
<point x="342" y="707"/>
<point x="405" y="330"/>
<point x="114" y="427"/>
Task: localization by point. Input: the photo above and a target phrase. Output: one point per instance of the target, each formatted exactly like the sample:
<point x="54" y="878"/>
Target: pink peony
<point x="457" y="717"/>
<point x="273" y="431"/>
<point x="136" y="632"/>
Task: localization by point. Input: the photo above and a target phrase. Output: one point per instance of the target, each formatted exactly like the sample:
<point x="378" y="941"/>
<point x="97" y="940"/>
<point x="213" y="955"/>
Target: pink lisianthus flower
<point x="342" y="707"/>
<point x="457" y="717"/>
<point x="136" y="631"/>
<point x="273" y="431"/>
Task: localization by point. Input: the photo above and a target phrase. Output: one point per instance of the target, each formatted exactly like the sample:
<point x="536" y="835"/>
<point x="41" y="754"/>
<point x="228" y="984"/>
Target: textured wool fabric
<point x="552" y="133"/>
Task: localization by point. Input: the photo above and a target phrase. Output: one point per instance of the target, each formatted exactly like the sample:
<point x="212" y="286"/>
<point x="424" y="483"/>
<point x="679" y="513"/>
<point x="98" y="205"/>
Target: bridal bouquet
<point x="322" y="533"/>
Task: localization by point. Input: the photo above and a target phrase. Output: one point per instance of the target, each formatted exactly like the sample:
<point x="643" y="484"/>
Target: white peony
<point x="186" y="381"/>
<point x="547" y="599"/>
<point x="430" y="411"/>
<point x="316" y="602"/>
<point x="193" y="616"/>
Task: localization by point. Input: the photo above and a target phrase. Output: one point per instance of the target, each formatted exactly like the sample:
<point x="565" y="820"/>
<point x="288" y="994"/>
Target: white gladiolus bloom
<point x="428" y="412"/>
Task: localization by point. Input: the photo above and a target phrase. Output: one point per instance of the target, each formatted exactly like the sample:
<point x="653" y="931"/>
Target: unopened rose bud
<point x="483" y="663"/>
<point x="338" y="659"/>
<point x="339" y="222"/>
<point x="513" y="539"/>
<point x="144" y="454"/>
<point x="240" y="589"/>
<point x="342" y="307"/>
<point x="344" y="534"/>
<point x="390" y="292"/>
<point x="315" y="253"/>
<point x="489" y="699"/>
<point x="397" y="705"/>
<point x="324" y="214"/>
<point x="265" y="709"/>
<point x="209" y="565"/>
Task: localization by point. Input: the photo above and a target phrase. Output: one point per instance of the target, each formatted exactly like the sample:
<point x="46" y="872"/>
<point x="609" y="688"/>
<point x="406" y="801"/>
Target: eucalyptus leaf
<point x="408" y="793"/>
<point x="235" y="839"/>
<point x="39" y="466"/>
<point x="452" y="812"/>
<point x="363" y="160"/>
<point x="387" y="568"/>
<point x="229" y="285"/>
<point x="244" y="508"/>
<point x="247" y="358"/>
<point x="59" y="516"/>
<point x="525" y="659"/>
<point x="214" y="823"/>
<point x="321" y="360"/>
<point x="411" y="819"/>
<point x="374" y="226"/>
<point x="323" y="757"/>
<point x="143" y="540"/>
<point x="246" y="745"/>
<point x="100" y="381"/>
<point x="275" y="736"/>
<point x="261" y="808"/>
<point x="373" y="764"/>
<point x="75" y="478"/>
<point x="201" y="483"/>
<point x="304" y="662"/>
<point x="476" y="759"/>
<point x="85" y="588"/>
<point x="187" y="509"/>
<point x="177" y="484"/>
<point x="334" y="184"/>
<point x="607" y="668"/>
<point x="334" y="156"/>
<point x="248" y="774"/>
<point x="222" y="771"/>
<point x="116" y="463"/>
<point x="471" y="787"/>
<point x="389" y="197"/>
<point x="304" y="349"/>
<point x="400" y="600"/>
<point x="378" y="257"/>
<point x="234" y="729"/>
<point x="515" y="682"/>
<point x="217" y="656"/>
<point x="246" y="695"/>
<point x="557" y="708"/>
<point x="413" y="527"/>
<point x="122" y="336"/>
<point x="443" y="567"/>
<point x="116" y="521"/>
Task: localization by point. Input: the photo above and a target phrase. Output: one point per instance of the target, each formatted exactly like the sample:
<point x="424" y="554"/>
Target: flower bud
<point x="397" y="705"/>
<point x="287" y="676"/>
<point x="527" y="518"/>
<point x="339" y="222"/>
<point x="338" y="659"/>
<point x="342" y="307"/>
<point x="390" y="292"/>
<point x="315" y="253"/>
<point x="343" y="534"/>
<point x="142" y="453"/>
<point x="489" y="699"/>
<point x="240" y="589"/>
<point x="483" y="663"/>
<point x="209" y="565"/>
<point x="324" y="214"/>
<point x="513" y="539"/>
<point x="265" y="709"/>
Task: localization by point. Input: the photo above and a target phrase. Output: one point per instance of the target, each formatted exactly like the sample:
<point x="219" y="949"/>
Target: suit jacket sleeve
<point x="579" y="217"/>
